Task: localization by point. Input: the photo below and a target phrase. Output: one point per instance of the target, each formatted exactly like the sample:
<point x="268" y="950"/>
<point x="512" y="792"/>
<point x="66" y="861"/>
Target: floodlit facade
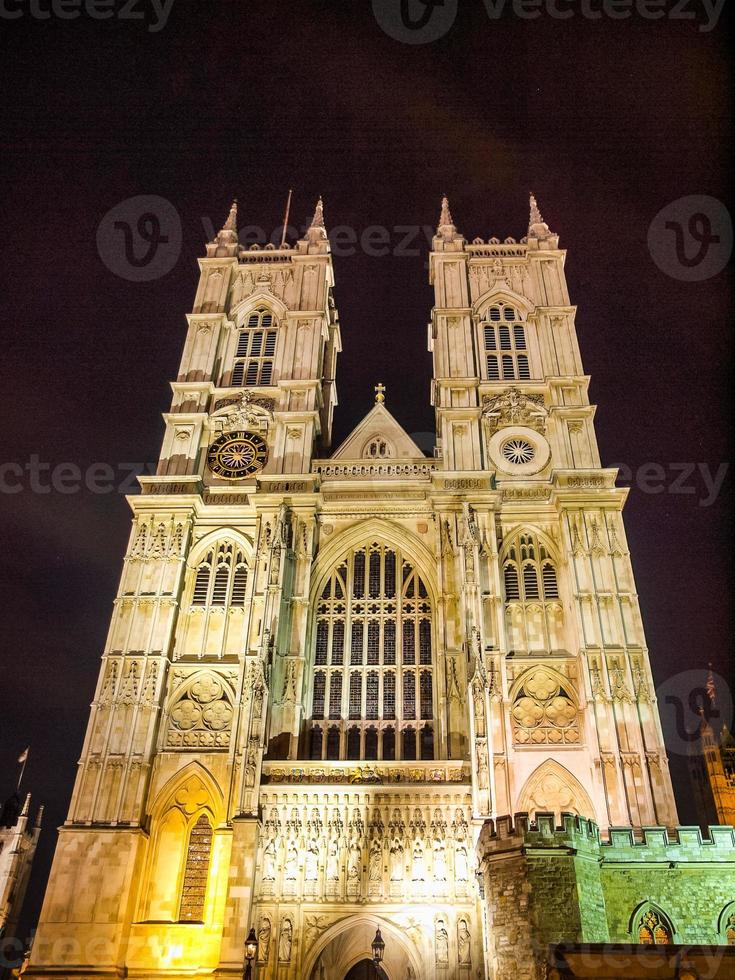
<point x="332" y="676"/>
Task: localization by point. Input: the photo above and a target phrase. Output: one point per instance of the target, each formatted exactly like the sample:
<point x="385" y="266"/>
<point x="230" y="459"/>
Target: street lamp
<point x="378" y="947"/>
<point x="251" y="951"/>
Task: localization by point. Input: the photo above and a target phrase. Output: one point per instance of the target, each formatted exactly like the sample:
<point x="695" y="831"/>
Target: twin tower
<point x="330" y="675"/>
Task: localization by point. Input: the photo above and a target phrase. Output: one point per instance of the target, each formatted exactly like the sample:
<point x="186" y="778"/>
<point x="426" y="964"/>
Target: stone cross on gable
<point x="379" y="393"/>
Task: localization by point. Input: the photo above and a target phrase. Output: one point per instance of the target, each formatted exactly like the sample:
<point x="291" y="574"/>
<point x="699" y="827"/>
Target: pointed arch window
<point x="654" y="929"/>
<point x="373" y="639"/>
<point x="221" y="577"/>
<point x="196" y="871"/>
<point x="256" y="350"/>
<point x="506" y="351"/>
<point x="529" y="571"/>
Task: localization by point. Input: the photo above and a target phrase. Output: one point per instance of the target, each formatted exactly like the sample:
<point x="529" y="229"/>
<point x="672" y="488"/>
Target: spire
<point x="446" y="228"/>
<point x="231" y="223"/>
<point x="226" y="240"/>
<point x="537" y="227"/>
<point x="318" y="220"/>
<point x="445" y="218"/>
<point x="39" y="817"/>
<point x="316" y="233"/>
<point x="26" y="806"/>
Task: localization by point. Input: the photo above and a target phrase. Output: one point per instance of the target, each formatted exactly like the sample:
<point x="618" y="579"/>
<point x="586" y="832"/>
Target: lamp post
<point x="378" y="947"/>
<point x="251" y="951"/>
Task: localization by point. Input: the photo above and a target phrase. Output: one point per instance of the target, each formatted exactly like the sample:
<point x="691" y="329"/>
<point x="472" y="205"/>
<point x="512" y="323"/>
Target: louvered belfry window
<point x="256" y="350"/>
<point x="506" y="350"/>
<point x="221" y="577"/>
<point x="373" y="654"/>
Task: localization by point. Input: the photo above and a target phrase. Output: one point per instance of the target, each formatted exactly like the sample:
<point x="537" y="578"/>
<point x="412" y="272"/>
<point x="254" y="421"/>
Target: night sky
<point x="606" y="121"/>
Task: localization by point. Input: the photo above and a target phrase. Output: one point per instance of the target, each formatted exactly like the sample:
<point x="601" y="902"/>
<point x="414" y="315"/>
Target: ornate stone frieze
<point x="514" y="407"/>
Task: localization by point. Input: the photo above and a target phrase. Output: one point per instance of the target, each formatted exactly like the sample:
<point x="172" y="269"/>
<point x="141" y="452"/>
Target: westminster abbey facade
<point x="332" y="677"/>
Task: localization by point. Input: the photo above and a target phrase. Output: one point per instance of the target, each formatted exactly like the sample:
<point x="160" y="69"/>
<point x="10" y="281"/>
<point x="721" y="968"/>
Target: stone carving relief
<point x="514" y="407"/>
<point x="544" y="711"/>
<point x="201" y="713"/>
<point x="250" y="412"/>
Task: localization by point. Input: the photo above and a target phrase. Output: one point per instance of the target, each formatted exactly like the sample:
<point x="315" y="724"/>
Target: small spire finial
<point x="379" y="393"/>
<point x="231" y="223"/>
<point x="534" y="217"/>
<point x="318" y="220"/>
<point x="445" y="219"/>
<point x="711" y="689"/>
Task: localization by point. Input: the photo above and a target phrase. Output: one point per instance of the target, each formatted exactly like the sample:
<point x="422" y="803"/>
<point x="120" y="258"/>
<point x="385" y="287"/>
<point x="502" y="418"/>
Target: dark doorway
<point x="364" y="970"/>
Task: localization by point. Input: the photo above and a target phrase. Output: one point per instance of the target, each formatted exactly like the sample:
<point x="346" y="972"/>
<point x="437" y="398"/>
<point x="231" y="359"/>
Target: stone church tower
<point x="329" y="673"/>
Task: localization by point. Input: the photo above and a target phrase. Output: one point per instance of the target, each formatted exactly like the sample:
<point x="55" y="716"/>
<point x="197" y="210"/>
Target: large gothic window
<point x="256" y="349"/>
<point x="506" y="353"/>
<point x="221" y="577"/>
<point x="532" y="604"/>
<point x="373" y="675"/>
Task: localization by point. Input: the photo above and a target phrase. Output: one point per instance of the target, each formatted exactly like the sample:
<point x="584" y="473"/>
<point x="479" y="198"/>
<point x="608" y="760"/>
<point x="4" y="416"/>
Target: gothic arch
<point x="395" y="940"/>
<point x="640" y="910"/>
<point x="559" y="677"/>
<point x="542" y="537"/>
<point x="166" y="796"/>
<point x="260" y="297"/>
<point x="564" y="792"/>
<point x="726" y="924"/>
<point x="374" y="529"/>
<point x="200" y="549"/>
<point x="503" y="294"/>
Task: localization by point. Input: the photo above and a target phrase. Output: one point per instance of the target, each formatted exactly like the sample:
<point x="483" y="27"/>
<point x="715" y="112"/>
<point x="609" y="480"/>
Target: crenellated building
<point x="332" y="676"/>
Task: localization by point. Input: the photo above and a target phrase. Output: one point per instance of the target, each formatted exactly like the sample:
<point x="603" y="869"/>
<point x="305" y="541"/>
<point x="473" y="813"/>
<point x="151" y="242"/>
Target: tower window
<point x="529" y="563"/>
<point x="504" y="332"/>
<point x="256" y="349"/>
<point x="385" y="683"/>
<point x="228" y="585"/>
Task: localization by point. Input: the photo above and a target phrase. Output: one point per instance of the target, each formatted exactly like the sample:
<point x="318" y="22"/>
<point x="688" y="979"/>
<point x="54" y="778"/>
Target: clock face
<point x="237" y="455"/>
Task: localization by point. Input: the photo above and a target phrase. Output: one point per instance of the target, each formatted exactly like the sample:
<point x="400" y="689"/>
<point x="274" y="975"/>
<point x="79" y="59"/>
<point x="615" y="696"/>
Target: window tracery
<point x="381" y="688"/>
<point x="506" y="352"/>
<point x="256" y="349"/>
<point x="653" y="929"/>
<point x="532" y="602"/>
<point x="221" y="577"/>
<point x="544" y="710"/>
<point x="196" y="871"/>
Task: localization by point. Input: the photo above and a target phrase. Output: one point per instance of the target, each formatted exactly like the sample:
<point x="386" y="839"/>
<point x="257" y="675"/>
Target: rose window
<point x="518" y="451"/>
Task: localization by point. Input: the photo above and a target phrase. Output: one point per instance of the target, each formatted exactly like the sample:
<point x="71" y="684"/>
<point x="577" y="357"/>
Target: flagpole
<point x="24" y="759"/>
<point x="285" y="220"/>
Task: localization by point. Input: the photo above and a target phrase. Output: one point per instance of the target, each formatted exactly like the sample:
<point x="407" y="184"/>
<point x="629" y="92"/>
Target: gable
<point x="378" y="436"/>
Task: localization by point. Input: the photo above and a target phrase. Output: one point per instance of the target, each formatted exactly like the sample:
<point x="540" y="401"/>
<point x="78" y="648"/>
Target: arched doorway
<point x="364" y="970"/>
<point x="344" y="951"/>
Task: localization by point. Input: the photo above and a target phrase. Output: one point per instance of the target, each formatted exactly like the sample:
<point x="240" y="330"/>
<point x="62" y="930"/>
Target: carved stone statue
<point x="396" y="859"/>
<point x="440" y="860"/>
<point x="419" y="866"/>
<point x="264" y="939"/>
<point x="285" y="941"/>
<point x="333" y="860"/>
<point x="375" y="867"/>
<point x="354" y="860"/>
<point x="460" y="861"/>
<point x="269" y="861"/>
<point x="312" y="860"/>
<point x="442" y="942"/>
<point x="464" y="943"/>
<point x="292" y="860"/>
